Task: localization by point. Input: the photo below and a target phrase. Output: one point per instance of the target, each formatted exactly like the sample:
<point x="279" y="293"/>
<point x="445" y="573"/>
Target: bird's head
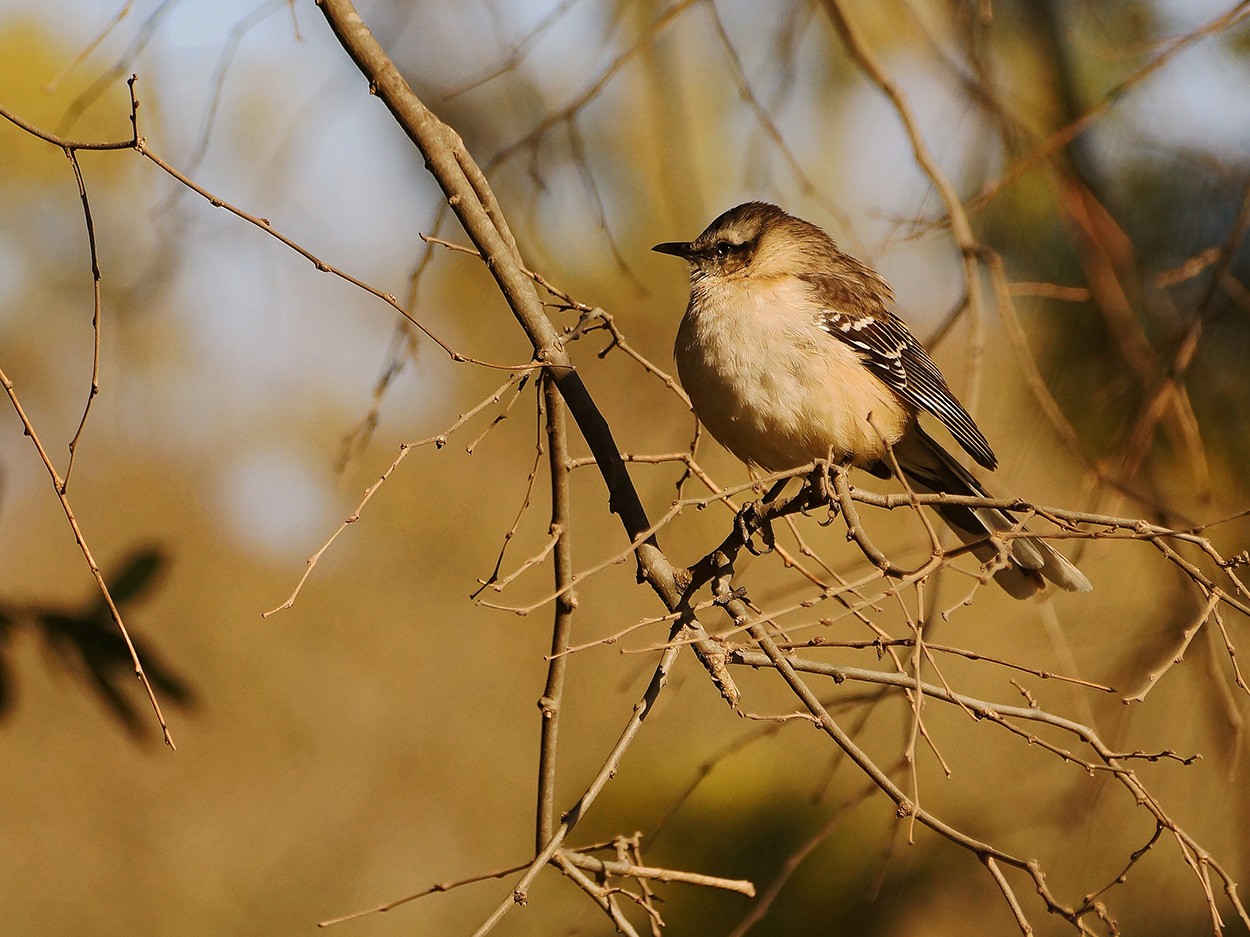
<point x="754" y="240"/>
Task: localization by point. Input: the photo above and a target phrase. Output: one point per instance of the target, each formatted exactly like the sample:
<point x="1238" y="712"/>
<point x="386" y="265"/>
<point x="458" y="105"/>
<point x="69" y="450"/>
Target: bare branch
<point x="58" y="485"/>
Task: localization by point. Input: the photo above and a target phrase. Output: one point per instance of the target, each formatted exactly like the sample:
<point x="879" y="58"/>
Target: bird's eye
<point x="722" y="249"/>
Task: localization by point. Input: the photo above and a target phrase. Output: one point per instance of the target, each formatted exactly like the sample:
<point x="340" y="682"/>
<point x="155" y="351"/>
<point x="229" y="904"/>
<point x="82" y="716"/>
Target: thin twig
<point x="642" y="709"/>
<point x="1177" y="655"/>
<point x="96" y="322"/>
<point x="438" y="888"/>
<point x="58" y="485"/>
<point x="141" y="145"/>
<point x="437" y="441"/>
<point x="1058" y="140"/>
<point x="629" y="870"/>
<point x="961" y="229"/>
<point x="557" y="117"/>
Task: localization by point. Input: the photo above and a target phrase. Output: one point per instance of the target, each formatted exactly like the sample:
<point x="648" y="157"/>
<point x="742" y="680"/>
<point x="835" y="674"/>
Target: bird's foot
<point x="819" y="488"/>
<point x="751" y="520"/>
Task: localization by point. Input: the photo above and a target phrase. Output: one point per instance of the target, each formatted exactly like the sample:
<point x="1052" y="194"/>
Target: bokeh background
<point x="381" y="735"/>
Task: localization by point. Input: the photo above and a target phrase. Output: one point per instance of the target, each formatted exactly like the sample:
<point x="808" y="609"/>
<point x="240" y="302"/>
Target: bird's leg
<point x="752" y="518"/>
<point x="821" y="485"/>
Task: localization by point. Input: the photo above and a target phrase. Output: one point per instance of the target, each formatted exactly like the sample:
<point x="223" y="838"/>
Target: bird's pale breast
<point x="772" y="386"/>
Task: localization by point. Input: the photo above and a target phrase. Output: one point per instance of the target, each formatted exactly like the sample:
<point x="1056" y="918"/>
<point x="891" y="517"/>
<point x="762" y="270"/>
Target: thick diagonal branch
<point x="470" y="197"/>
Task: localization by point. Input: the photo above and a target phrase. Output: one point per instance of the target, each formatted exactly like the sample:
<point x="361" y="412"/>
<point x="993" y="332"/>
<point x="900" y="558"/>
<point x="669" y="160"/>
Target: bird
<point x="790" y="352"/>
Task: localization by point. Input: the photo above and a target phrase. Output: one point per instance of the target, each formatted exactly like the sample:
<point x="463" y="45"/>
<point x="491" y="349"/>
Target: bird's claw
<point x="751" y="520"/>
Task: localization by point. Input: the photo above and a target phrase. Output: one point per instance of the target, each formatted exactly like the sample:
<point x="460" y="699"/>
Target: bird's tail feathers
<point x="1031" y="562"/>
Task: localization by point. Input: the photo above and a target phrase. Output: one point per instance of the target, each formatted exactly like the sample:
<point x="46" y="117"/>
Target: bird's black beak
<point x="676" y="248"/>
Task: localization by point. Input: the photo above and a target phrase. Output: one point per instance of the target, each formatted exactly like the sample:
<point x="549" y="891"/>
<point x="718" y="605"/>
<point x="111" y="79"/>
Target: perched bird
<point x="790" y="353"/>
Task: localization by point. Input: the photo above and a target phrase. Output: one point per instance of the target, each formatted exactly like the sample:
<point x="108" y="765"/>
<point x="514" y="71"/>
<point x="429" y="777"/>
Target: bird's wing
<point x="856" y="315"/>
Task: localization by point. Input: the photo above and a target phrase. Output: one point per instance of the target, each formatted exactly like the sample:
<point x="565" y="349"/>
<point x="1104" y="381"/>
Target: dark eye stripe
<point x="724" y="249"/>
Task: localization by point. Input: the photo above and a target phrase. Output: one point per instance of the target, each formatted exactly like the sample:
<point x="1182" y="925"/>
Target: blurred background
<point x="381" y="734"/>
